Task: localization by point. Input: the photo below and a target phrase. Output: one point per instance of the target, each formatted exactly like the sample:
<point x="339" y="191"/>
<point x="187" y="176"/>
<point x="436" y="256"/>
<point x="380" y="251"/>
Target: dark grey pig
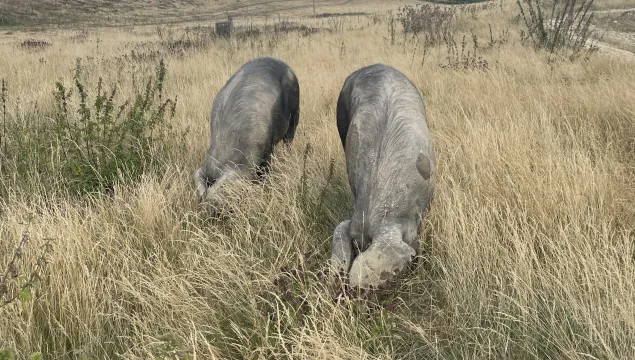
<point x="390" y="162"/>
<point x="257" y="108"/>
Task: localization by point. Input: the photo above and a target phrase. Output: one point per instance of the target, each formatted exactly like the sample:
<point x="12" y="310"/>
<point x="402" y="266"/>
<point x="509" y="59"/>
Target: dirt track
<point x="614" y="51"/>
<point x="613" y="11"/>
<point x="622" y="36"/>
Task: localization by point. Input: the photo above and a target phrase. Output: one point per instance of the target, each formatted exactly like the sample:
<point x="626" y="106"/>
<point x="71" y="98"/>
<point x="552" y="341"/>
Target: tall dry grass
<point x="528" y="248"/>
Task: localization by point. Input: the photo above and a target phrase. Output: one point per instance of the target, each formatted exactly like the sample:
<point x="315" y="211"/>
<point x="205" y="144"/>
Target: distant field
<point x="111" y="12"/>
<point x="114" y="12"/>
<point x="527" y="253"/>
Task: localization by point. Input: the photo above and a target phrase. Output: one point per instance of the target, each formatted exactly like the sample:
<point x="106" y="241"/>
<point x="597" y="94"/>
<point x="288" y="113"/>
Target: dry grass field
<point x="528" y="250"/>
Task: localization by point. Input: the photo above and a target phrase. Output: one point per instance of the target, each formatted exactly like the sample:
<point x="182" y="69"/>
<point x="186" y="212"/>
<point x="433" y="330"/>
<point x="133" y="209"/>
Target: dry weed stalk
<point x="567" y="26"/>
<point x="12" y="272"/>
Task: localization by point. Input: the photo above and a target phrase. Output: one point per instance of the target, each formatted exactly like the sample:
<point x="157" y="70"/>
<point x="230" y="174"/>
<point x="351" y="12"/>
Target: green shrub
<point x="92" y="142"/>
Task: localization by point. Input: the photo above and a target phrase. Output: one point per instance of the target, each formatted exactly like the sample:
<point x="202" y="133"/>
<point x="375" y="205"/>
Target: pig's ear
<point x="423" y="166"/>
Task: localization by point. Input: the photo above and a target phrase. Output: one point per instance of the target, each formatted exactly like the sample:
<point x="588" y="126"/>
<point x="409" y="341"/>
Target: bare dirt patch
<point x="617" y="27"/>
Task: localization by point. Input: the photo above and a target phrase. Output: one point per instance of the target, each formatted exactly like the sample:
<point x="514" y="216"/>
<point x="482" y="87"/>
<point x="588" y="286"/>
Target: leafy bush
<point x="433" y="21"/>
<point x="92" y="144"/>
<point x="566" y="26"/>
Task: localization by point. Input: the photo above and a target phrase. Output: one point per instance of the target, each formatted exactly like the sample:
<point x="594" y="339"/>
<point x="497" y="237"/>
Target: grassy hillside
<point x="112" y="12"/>
<point x="27" y="12"/>
<point x="527" y="251"/>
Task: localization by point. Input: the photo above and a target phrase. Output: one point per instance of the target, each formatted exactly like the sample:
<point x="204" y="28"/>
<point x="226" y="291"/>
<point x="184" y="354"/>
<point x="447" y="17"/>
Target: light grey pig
<point x="258" y="107"/>
<point x="390" y="162"/>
